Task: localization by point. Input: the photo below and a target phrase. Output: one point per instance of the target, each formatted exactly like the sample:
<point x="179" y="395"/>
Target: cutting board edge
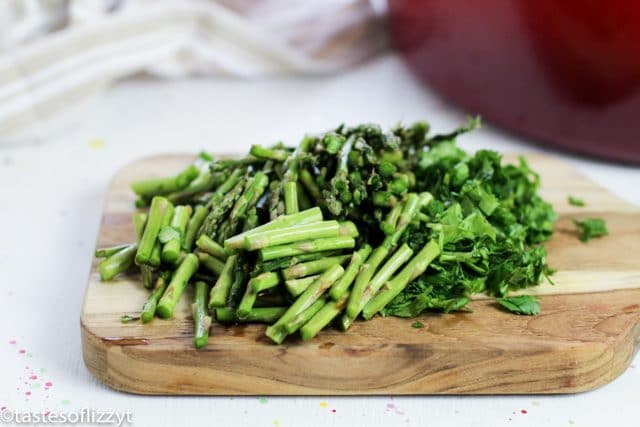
<point x="614" y="359"/>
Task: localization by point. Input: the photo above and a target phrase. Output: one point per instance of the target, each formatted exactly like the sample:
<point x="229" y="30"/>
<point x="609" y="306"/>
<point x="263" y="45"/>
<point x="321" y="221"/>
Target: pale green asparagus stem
<point x="291" y="197"/>
<point x="117" y="263"/>
<point x="258" y="284"/>
<point x="160" y="207"/>
<point x="308" y="297"/>
<point x="411" y="271"/>
<point x="212" y="264"/>
<point x="163" y="186"/>
<point x="176" y="287"/>
<point x="220" y="292"/>
<point x="304" y="217"/>
<point x="201" y="318"/>
<point x="357" y="259"/>
<point x="301" y="319"/>
<point x="298" y="286"/>
<point x="308" y="246"/>
<point x="258" y="314"/>
<point x="313" y="267"/>
<point x="149" y="307"/>
<point x="206" y="244"/>
<point x="171" y="249"/>
<point x="296" y="233"/>
<point x="323" y="317"/>
<point x="199" y="214"/>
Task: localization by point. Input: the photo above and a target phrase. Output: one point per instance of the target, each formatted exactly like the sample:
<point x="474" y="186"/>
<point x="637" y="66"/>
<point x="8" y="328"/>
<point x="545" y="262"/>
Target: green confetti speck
<point x="66" y="402"/>
<point x="43" y="369"/>
<point x="263" y="400"/>
<point x="35" y="385"/>
<point x="29" y="355"/>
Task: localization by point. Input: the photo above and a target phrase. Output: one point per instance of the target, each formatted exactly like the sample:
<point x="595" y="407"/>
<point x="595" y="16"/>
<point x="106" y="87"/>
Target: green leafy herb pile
<point x="349" y="224"/>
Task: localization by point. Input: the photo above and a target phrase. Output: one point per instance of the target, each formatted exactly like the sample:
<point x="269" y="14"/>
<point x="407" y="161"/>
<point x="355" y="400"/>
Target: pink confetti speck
<point x="33" y="377"/>
<point x="333" y="410"/>
<point x="22" y="351"/>
<point x="47" y="413"/>
<point x="48" y="384"/>
<point x="523" y="411"/>
<point x="390" y="405"/>
<point x="3" y="408"/>
<point x="12" y="342"/>
<point x="28" y="393"/>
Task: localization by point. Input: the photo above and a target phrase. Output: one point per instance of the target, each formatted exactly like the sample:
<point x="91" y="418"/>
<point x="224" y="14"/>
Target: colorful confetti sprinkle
<point x="323" y="404"/>
<point x="96" y="144"/>
<point x="22" y="351"/>
<point x="66" y="402"/>
<point x="523" y="411"/>
<point x="12" y="342"/>
<point x="263" y="400"/>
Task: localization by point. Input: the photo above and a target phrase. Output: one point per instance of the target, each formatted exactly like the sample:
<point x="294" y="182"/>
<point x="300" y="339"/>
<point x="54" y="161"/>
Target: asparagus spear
<point x="257" y="314"/>
<point x="163" y="186"/>
<point x="171" y="248"/>
<point x="220" y="291"/>
<point x="195" y="222"/>
<point x="210" y="263"/>
<point x="257" y="284"/>
<point x="201" y="319"/>
<point x="411" y="271"/>
<point x="298" y="286"/>
<point x="278" y="335"/>
<point x="275" y="154"/>
<point x="291" y="197"/>
<point x="298" y="248"/>
<point x="310" y="295"/>
<point x="117" y="263"/>
<point x="207" y="245"/>
<point x="357" y="259"/>
<point x="160" y="207"/>
<point x="139" y="222"/>
<point x="149" y="307"/>
<point x="296" y="233"/>
<point x="396" y="261"/>
<point x="218" y="213"/>
<point x="176" y="287"/>
<point x="156" y="253"/>
<point x="107" y="252"/>
<point x="304" y="217"/>
<point x="323" y="317"/>
<point x="253" y="190"/>
<point x="313" y="267"/>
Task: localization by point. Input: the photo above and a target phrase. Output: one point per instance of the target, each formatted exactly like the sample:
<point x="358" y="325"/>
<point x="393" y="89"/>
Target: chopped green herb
<point x="417" y="325"/>
<point x="590" y="228"/>
<point x="125" y="318"/>
<point x="574" y="201"/>
<point x="522" y="304"/>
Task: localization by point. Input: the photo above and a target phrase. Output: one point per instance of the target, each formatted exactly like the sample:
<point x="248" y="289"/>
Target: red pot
<point x="566" y="72"/>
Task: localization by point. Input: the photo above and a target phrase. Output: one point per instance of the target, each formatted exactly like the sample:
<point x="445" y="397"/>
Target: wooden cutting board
<point x="585" y="336"/>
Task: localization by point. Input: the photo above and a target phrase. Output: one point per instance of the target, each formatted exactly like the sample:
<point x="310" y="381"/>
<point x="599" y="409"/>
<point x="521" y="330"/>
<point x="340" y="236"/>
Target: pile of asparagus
<point x="292" y="237"/>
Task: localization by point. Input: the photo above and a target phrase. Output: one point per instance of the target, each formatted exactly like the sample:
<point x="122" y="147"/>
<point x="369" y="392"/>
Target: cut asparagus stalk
<point x="411" y="271"/>
<point x="323" y="317"/>
<point x="163" y="186"/>
<point x="212" y="264"/>
<point x="176" y="287"/>
<point x="298" y="286"/>
<point x="261" y="315"/>
<point x="201" y="319"/>
<point x="117" y="263"/>
<point x="257" y="284"/>
<point x="220" y="292"/>
<point x="160" y="207"/>
<point x="312" y="267"/>
<point x="107" y="252"/>
<point x="171" y="249"/>
<point x="308" y="297"/>
<point x="199" y="214"/>
<point x="291" y="197"/>
<point x="357" y="259"/>
<point x="296" y="233"/>
<point x="304" y="217"/>
<point x="206" y="244"/>
<point x="149" y="307"/>
<point x="308" y="246"/>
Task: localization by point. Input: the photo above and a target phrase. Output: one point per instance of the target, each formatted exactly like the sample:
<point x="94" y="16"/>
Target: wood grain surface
<point x="585" y="336"/>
